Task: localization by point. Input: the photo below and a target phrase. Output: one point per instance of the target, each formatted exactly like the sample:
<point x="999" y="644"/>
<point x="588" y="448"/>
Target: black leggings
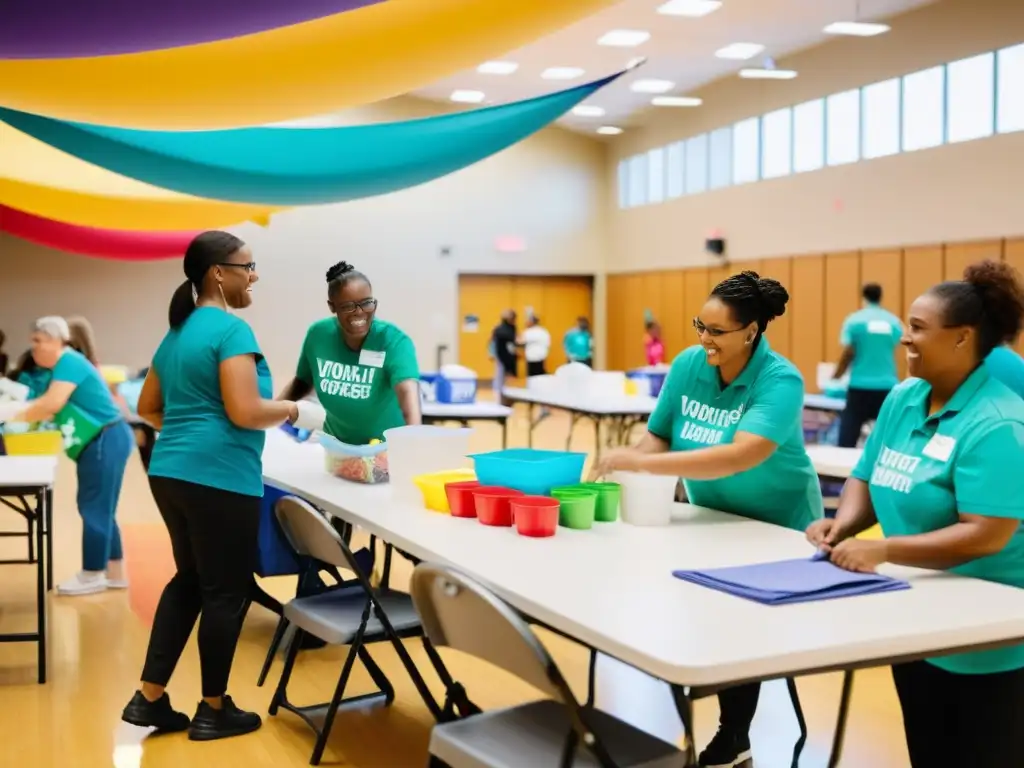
<point x="737" y="706"/>
<point x="954" y="721"/>
<point x="214" y="538"/>
<point x="862" y="406"/>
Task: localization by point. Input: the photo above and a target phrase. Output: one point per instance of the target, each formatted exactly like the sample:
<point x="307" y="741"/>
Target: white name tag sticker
<point x="881" y="327"/>
<point x="940" y="448"/>
<point x="371" y="358"/>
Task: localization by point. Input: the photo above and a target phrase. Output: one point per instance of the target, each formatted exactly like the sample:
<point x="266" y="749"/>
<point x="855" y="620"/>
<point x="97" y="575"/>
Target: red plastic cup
<point x="535" y="516"/>
<point x="460" y="498"/>
<point x="492" y="504"/>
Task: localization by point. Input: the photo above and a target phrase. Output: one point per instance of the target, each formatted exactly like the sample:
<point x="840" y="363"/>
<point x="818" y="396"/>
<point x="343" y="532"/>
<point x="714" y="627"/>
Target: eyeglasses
<point x="367" y="305"/>
<point x="701" y="329"/>
<point x="248" y="266"/>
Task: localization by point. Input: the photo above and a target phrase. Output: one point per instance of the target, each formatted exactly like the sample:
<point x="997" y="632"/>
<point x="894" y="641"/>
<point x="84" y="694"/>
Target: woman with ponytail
<point x="941" y="473"/>
<point x="729" y="423"/>
<point x="209" y="393"/>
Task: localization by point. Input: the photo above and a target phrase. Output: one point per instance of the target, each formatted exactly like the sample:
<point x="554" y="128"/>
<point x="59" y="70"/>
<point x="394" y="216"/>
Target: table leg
<point x="597" y="435"/>
<point x="844" y="711"/>
<point x="49" y="538"/>
<point x="504" y="432"/>
<point x="41" y="589"/>
<point x="684" y="705"/>
<point x="798" y="710"/>
<point x="529" y="425"/>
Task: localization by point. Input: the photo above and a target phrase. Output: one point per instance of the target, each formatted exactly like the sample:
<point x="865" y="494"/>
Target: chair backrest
<point x="311" y="534"/>
<point x="290" y="537"/>
<point x="459" y="613"/>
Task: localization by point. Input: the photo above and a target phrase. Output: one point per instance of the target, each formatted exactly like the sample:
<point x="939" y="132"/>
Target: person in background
<point x="363" y="369"/>
<point x="869" y="337"/>
<point x="4" y="360"/>
<point x="208" y="392"/>
<point x="654" y="347"/>
<point x="29" y="373"/>
<point x="1005" y="365"/>
<point x="503" y="349"/>
<point x="97" y="438"/>
<point x="728" y="421"/>
<point x="579" y="343"/>
<point x="536" y="343"/>
<point x="82" y="338"/>
<point x="941" y="473"/>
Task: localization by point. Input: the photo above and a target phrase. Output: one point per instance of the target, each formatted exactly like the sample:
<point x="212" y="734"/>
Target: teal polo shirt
<point x="924" y="470"/>
<point x="696" y="411"/>
<point x="873" y="333"/>
<point x="1005" y="365"/>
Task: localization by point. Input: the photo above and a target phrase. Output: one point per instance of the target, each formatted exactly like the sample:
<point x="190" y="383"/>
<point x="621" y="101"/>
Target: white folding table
<point x="612" y="590"/>
<point x="813" y="402"/>
<point x="434" y="413"/>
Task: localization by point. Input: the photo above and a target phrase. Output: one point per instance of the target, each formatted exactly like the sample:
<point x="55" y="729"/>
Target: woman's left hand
<point x="624" y="459"/>
<point x="859" y="555"/>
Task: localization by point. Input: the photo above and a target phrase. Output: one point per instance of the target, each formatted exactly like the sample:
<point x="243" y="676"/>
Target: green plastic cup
<point x="608" y="495"/>
<point x="577" y="507"/>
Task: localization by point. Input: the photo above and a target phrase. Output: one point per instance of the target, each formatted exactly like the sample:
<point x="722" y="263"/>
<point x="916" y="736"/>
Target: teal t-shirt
<point x="91" y="395"/>
<point x="37" y="381"/>
<point x="578" y="345"/>
<point x="1006" y="366"/>
<point x="873" y="333"/>
<point x="923" y="471"/>
<point x="357" y="388"/>
<point x="695" y="411"/>
<point x="198" y="443"/>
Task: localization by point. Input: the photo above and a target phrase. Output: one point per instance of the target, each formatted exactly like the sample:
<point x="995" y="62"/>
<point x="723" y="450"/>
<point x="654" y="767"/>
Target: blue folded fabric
<point x="792" y="581"/>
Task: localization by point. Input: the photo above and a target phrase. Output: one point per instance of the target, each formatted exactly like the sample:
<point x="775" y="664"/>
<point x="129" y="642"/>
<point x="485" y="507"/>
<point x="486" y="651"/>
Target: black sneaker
<point x="726" y="750"/>
<point x="209" y="723"/>
<point x="157" y="714"/>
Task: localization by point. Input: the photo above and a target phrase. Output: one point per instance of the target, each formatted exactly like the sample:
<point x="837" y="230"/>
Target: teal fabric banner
<point x="304" y="166"/>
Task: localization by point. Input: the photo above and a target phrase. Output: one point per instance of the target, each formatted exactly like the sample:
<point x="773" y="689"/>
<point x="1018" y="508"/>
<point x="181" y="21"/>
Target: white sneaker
<point x="121" y="580"/>
<point x="83" y="583"/>
<point x="117" y="583"/>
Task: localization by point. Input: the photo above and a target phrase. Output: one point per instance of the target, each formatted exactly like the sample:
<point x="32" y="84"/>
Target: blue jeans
<point x="100" y="475"/>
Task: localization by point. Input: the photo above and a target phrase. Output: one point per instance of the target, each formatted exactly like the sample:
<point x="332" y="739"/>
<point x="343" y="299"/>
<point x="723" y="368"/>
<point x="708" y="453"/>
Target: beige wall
<point x="550" y="189"/>
<point x="947" y="194"/>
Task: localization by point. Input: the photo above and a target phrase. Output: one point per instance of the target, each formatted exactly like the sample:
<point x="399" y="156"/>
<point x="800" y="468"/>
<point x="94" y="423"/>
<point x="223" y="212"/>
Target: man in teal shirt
<point x="869" y="337"/>
<point x="579" y="344"/>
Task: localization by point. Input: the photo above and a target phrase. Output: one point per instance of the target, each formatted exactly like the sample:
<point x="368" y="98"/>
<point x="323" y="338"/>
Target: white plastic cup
<point x="646" y="499"/>
<point x="420" y="450"/>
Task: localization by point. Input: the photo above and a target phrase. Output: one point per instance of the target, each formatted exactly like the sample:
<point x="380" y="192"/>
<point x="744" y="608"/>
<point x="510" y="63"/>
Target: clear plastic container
<point x="367" y="464"/>
<point x="423" y="450"/>
<point x="646" y="499"/>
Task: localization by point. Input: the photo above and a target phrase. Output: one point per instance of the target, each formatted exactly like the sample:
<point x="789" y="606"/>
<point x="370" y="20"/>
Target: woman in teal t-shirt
<point x="579" y="343"/>
<point x="942" y="474"/>
<point x="729" y="423"/>
<point x="363" y="369"/>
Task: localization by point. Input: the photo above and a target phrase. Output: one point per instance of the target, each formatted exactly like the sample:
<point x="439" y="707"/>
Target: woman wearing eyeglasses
<point x="729" y="423"/>
<point x="364" y="370"/>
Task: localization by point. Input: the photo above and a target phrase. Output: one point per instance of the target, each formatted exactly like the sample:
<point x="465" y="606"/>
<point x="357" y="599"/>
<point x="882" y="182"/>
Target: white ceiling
<point x="680" y="49"/>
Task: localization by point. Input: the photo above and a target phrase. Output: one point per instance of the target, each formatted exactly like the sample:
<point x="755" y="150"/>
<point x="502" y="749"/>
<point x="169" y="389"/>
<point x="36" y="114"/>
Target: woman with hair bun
<point x="729" y="423"/>
<point x="941" y="473"/>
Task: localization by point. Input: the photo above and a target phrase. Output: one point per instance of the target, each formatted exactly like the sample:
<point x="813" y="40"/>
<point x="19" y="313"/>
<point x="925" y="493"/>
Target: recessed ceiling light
<point x="739" y="51"/>
<point x="609" y="130"/>
<point x="467" y="97"/>
<point x="676" y="101"/>
<point x="561" y="73"/>
<point x="586" y="110"/>
<point x="497" y="68"/>
<point x="856" y="28"/>
<point x="768" y="74"/>
<point x="692" y="8"/>
<point x="624" y="38"/>
<point x="652" y="86"/>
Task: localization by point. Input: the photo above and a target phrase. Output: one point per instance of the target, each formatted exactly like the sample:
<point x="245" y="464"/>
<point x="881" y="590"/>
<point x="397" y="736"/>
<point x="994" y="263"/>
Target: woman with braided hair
<point x="729" y="423"/>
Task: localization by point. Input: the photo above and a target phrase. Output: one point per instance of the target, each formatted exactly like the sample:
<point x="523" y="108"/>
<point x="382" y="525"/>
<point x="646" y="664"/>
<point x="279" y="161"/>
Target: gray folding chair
<point x="355" y="615"/>
<point x="557" y="731"/>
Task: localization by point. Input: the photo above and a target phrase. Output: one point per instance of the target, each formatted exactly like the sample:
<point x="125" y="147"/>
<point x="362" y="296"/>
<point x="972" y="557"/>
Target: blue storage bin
<point x="428" y="387"/>
<point x="528" y="470"/>
<point x="276" y="556"/>
<point x="455" y="391"/>
<point x="648" y="383"/>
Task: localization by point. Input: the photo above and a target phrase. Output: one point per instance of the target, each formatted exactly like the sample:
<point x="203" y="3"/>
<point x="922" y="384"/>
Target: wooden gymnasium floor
<point x="97" y="645"/>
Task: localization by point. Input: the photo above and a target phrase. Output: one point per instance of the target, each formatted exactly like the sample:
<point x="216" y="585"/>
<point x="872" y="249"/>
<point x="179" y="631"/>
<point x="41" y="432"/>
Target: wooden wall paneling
<point x="635" y="303"/>
<point x="781" y="327"/>
<point x="808" y="322"/>
<point x="842" y="297"/>
<point x="1014" y="256"/>
<point x="922" y="268"/>
<point x="653" y="297"/>
<point x="961" y="255"/>
<point x="885" y="267"/>
<point x="486" y="297"/>
<point x="718" y="272"/>
<point x="674" y="323"/>
<point x="695" y="289"/>
<point x="615" y="322"/>
<point x="565" y="300"/>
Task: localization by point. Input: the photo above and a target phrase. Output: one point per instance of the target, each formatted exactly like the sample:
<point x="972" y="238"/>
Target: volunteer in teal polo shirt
<point x="942" y="475"/>
<point x="729" y="423"/>
<point x="869" y="337"/>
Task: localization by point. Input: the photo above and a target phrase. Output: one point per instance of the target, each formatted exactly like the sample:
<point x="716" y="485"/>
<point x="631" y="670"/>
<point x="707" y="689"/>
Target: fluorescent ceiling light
<point x="586" y="110"/>
<point x="676" y="101"/>
<point x="856" y="28"/>
<point x="692" y="8"/>
<point x="609" y="130"/>
<point x="497" y="68"/>
<point x="652" y="86"/>
<point x="624" y="38"/>
<point x="561" y="73"/>
<point x="739" y="51"/>
<point x="467" y="97"/>
<point x="768" y="74"/>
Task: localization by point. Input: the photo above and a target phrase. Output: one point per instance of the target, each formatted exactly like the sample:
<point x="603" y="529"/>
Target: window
<point x="809" y="136"/>
<point x="924" y="109"/>
<point x="637" y="181"/>
<point x="623" y="183"/>
<point x="971" y="91"/>
<point x="842" y="122"/>
<point x="881" y="120"/>
<point x="777" y="142"/>
<point x="746" y="151"/>
<point x="676" y="186"/>
<point x="697" y="164"/>
<point x="1010" y="97"/>
<point x="721" y="157"/>
<point x="656" y="175"/>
